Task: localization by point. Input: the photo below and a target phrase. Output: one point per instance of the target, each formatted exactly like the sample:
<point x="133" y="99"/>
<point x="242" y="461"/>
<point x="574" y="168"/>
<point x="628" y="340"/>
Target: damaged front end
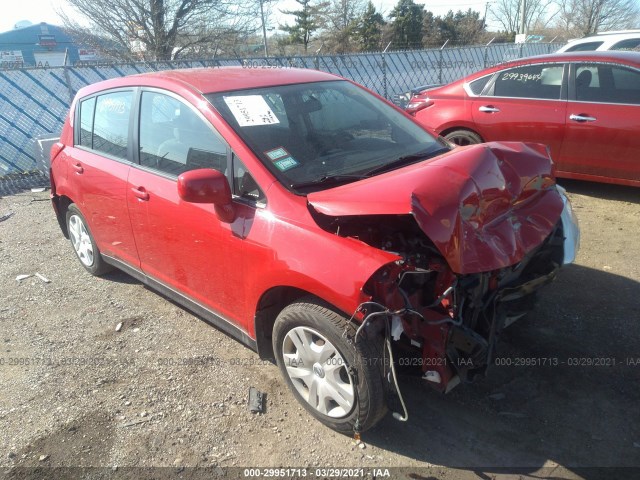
<point x="472" y="252"/>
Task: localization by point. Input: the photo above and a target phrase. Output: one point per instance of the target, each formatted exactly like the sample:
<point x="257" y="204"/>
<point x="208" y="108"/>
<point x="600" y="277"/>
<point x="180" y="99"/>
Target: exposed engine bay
<point x="446" y="324"/>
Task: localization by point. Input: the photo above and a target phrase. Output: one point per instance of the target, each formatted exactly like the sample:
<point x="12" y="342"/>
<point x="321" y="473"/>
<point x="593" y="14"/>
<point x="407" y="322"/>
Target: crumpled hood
<point x="484" y="206"/>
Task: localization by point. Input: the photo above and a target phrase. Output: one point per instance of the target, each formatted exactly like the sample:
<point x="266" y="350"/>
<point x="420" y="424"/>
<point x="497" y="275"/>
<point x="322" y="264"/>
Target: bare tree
<point x="158" y="29"/>
<point x="537" y="12"/>
<point x="585" y="17"/>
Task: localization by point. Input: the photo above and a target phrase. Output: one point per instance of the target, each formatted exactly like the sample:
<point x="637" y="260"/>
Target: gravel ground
<point x="167" y="390"/>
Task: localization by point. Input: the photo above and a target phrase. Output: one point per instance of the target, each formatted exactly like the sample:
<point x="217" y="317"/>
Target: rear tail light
<point x="418" y="103"/>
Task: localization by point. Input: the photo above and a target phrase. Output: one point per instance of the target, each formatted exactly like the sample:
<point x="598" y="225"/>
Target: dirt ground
<point x="168" y="390"/>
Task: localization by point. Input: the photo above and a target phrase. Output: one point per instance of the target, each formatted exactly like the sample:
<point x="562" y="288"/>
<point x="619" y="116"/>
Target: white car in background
<point x="620" y="40"/>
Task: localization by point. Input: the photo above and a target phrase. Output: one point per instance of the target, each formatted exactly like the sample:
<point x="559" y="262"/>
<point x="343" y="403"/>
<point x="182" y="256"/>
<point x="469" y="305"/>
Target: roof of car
<point x="214" y="79"/>
<point x="612" y="56"/>
<point x="606" y="35"/>
<point x="605" y="39"/>
<point x="598" y="56"/>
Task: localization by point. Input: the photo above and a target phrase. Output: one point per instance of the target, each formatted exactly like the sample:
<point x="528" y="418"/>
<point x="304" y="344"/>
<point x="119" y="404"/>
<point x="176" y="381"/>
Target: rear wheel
<point x="83" y="243"/>
<point x="463" y="137"/>
<point x="338" y="382"/>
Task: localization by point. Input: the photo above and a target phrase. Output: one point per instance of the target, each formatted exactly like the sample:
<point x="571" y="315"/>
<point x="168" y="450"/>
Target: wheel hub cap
<point x="318" y="372"/>
<point x="81" y="240"/>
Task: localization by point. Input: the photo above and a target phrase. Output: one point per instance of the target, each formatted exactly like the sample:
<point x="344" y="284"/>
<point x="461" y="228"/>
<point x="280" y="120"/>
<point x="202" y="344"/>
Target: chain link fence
<point x="35" y="101"/>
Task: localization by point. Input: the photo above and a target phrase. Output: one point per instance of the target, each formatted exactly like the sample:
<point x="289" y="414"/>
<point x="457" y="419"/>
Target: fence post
<point x="486" y="52"/>
<point x="441" y="61"/>
<point x="384" y="71"/>
<point x="67" y="80"/>
<point x="384" y="76"/>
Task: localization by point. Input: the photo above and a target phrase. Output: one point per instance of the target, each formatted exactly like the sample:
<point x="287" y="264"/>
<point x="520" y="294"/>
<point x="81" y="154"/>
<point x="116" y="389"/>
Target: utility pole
<point x="523" y="8"/>
<point x="264" y="29"/>
<point x="484" y="19"/>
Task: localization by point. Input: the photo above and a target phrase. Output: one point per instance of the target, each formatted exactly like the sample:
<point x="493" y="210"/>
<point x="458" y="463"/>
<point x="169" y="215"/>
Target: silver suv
<point x="619" y="40"/>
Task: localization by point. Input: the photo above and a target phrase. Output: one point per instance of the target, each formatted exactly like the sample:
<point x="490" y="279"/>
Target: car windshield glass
<point x="318" y="135"/>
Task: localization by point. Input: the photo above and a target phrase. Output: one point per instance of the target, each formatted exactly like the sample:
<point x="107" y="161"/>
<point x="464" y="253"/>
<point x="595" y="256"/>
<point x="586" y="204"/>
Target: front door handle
<point x="141" y="193"/>
<point x="489" y="109"/>
<point x="78" y="168"/>
<point x="581" y="118"/>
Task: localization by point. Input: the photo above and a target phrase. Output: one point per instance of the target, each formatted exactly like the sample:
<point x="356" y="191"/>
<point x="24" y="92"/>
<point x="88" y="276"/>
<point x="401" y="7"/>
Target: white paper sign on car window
<point x="251" y="110"/>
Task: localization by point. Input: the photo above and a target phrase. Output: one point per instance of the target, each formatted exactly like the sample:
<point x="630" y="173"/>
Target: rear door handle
<point x="78" y="168"/>
<point x="489" y="109"/>
<point x="581" y="118"/>
<point x="141" y="193"/>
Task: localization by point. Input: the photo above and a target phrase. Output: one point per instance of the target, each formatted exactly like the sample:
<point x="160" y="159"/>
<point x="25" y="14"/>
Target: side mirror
<point x="206" y="185"/>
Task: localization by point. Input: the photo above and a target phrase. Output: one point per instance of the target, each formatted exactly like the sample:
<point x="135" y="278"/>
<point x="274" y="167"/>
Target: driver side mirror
<point x="206" y="185"/>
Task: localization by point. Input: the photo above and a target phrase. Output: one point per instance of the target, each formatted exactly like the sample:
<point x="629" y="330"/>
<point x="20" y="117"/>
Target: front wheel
<point x="338" y="382"/>
<point x="83" y="243"/>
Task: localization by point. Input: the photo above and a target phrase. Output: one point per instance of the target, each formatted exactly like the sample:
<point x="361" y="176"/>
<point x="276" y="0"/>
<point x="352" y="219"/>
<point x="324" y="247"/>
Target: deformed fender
<point x="484" y="206"/>
<point x="486" y="211"/>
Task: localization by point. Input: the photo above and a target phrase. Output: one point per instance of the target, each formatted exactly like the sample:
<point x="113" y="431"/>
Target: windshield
<point x="315" y="135"/>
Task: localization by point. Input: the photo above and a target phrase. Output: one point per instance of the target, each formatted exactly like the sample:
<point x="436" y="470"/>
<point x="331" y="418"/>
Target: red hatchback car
<point x="585" y="106"/>
<point x="314" y="222"/>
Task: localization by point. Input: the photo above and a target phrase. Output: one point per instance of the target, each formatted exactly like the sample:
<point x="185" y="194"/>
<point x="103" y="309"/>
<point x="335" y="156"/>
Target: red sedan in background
<point x="584" y="106"/>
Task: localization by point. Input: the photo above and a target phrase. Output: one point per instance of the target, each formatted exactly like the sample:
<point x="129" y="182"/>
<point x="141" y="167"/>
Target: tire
<point x="315" y="352"/>
<point x="463" y="137"/>
<point x="83" y="243"/>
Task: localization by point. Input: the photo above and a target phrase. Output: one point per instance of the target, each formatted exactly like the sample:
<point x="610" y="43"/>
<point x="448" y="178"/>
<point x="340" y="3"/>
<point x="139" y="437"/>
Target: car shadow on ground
<point x="604" y="191"/>
<point x="576" y="409"/>
<point x="119" y="276"/>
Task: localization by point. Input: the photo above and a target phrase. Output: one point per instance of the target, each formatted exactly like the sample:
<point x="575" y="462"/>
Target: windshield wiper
<point x="405" y="160"/>
<point x="327" y="179"/>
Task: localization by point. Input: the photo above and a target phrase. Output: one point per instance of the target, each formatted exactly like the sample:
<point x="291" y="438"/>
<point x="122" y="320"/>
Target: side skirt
<point x="203" y="312"/>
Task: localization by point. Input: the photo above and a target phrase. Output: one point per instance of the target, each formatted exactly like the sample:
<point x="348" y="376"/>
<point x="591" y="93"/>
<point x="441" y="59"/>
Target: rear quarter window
<point x="87" y="109"/>
<point x="477" y="86"/>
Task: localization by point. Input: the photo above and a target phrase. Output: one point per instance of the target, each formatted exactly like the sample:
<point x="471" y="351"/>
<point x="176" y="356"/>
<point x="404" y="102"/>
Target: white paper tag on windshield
<point x="251" y="110"/>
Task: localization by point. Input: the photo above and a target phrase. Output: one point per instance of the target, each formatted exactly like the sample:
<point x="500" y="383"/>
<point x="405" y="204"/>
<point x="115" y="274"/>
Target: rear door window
<point x="531" y="81"/>
<point x="111" y="123"/>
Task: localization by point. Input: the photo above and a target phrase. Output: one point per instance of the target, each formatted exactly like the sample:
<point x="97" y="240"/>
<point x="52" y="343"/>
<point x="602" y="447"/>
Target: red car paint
<point x="605" y="148"/>
<point x="489" y="210"/>
<point x="478" y="222"/>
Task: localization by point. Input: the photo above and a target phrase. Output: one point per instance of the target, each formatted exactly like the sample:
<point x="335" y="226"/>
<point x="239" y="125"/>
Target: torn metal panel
<point x="484" y="207"/>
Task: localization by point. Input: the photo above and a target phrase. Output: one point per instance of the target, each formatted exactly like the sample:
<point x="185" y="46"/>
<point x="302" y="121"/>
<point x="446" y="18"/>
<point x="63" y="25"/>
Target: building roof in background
<point x="41" y="44"/>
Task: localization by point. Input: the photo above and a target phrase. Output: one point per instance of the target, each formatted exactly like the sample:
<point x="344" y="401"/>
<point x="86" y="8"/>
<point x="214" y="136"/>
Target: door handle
<point x="581" y="118"/>
<point x="78" y="168"/>
<point x="141" y="193"/>
<point x="489" y="109"/>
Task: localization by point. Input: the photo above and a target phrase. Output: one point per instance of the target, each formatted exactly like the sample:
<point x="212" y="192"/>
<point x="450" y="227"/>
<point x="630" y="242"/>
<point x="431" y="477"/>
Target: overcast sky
<point x="37" y="11"/>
